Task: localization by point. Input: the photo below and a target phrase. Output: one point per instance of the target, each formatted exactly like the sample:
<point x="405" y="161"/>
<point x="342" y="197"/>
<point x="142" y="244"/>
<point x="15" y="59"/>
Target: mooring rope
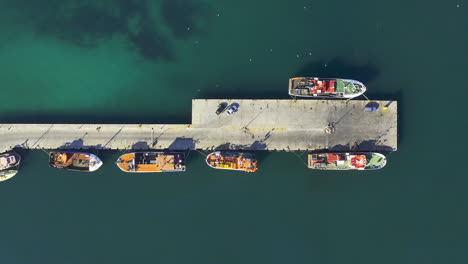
<point x="205" y="155"/>
<point x="300" y="158"/>
<point x="47" y="153"/>
<point x="366" y="97"/>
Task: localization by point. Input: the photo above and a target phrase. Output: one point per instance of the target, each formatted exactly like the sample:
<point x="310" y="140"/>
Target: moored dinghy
<point x="75" y="161"/>
<point x="347" y="161"/>
<point x="314" y="87"/>
<point x="7" y="174"/>
<point x="152" y="162"/>
<point x="232" y="161"/>
<point x="9" y="163"/>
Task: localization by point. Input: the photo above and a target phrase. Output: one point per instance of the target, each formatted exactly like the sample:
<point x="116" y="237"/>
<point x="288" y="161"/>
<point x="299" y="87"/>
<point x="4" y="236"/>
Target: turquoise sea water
<point x="129" y="61"/>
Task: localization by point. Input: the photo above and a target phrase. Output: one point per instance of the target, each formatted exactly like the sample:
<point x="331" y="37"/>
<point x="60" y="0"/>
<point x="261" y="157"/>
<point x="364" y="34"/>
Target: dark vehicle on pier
<point x="221" y="108"/>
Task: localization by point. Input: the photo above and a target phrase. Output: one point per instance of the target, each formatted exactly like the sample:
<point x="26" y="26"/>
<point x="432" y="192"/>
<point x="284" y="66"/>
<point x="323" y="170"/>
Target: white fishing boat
<point x="313" y="87"/>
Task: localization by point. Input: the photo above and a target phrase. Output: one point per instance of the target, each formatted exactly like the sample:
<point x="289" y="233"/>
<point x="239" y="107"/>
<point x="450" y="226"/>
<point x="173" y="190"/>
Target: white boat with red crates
<point x="314" y="87"/>
<point x="346" y="161"/>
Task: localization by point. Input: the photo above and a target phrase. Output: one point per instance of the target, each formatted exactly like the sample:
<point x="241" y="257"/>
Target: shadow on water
<point x="151" y="44"/>
<point x="181" y="16"/>
<point x="89" y="23"/>
<point x="339" y="68"/>
<point x="244" y="89"/>
<point x="94" y="117"/>
<point x="25" y="154"/>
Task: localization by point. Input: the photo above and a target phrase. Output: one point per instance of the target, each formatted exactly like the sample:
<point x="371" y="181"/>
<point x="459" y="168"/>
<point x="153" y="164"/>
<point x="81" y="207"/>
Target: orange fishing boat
<point x="232" y="161"/>
<point x="152" y="162"/>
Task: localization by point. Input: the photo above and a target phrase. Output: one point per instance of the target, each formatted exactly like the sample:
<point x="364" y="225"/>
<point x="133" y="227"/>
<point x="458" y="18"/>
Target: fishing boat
<point x="314" y="87"/>
<point x="74" y="161"/>
<point x="9" y="163"/>
<point x="232" y="161"/>
<point x="346" y="161"/>
<point x="152" y="162"/>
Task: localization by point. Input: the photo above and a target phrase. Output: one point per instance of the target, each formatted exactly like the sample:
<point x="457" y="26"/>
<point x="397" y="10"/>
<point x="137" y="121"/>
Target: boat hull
<point x="7" y="174"/>
<point x="313" y="87"/>
<point x="74" y="161"/>
<point x="346" y="161"/>
<point x="150" y="162"/>
<point x="236" y="161"/>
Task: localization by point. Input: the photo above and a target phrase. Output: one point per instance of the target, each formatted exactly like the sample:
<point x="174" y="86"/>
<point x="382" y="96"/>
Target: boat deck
<point x="152" y="163"/>
<point x="309" y="86"/>
<point x="161" y="163"/>
<point x="72" y="161"/>
<point x="257" y="125"/>
<point x="230" y="162"/>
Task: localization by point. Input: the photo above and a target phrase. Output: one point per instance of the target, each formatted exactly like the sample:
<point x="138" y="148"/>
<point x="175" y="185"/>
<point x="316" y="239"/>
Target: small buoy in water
<point x="458" y="5"/>
<point x="188" y="28"/>
<point x="325" y="65"/>
<point x="297" y="55"/>
<point x="217" y="14"/>
<point x="250" y="59"/>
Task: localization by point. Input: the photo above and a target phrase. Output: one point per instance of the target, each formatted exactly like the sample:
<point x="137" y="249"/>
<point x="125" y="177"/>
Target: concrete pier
<point x="257" y="125"/>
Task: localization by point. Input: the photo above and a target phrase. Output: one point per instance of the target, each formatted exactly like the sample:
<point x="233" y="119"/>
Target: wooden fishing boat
<point x="152" y="162"/>
<point x="74" y="161"/>
<point x="232" y="161"/>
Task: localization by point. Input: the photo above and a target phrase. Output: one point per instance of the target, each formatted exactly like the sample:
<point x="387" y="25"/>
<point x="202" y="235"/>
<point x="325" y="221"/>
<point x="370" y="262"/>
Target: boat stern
<point x="293" y="82"/>
<point x="180" y="162"/>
